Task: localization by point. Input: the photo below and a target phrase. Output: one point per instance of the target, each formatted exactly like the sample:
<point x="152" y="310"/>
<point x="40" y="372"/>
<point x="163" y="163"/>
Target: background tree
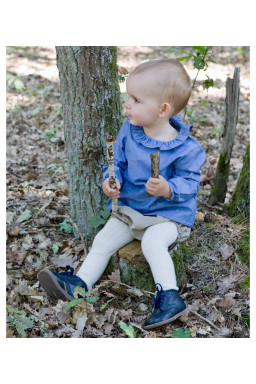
<point x="239" y="203"/>
<point x="91" y="107"/>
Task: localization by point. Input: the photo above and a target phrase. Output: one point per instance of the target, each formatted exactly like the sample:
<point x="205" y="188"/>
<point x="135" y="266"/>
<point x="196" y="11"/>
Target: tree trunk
<point x="219" y="189"/>
<point x="91" y="107"/>
<point x="239" y="203"/>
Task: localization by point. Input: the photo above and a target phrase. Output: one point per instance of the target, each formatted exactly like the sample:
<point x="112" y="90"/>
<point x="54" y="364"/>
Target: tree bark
<point x="239" y="203"/>
<point x="91" y="107"/>
<point x="218" y="192"/>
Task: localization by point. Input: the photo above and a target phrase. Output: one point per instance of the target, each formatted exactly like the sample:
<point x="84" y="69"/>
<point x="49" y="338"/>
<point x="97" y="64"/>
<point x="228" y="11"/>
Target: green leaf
<point x="26" y="215"/>
<point x="105" y="213"/>
<point x="15" y="310"/>
<point x="72" y="303"/>
<point x="66" y="226"/>
<point x="129" y="330"/>
<point x="79" y="291"/>
<point x="96" y="221"/>
<point x="200" y="49"/>
<point x="105" y="304"/>
<point x="198" y="62"/>
<point x="180" y="333"/>
<point x="92" y="299"/>
<point x="18" y="84"/>
<point x="55" y="248"/>
<point x="184" y="58"/>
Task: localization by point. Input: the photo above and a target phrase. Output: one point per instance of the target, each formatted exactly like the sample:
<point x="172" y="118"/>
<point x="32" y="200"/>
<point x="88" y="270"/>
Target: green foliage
<point x="244" y="249"/>
<point x="49" y="135"/>
<point x="55" y="248"/>
<point x="245" y="284"/>
<point x="215" y="130"/>
<point x="100" y="219"/>
<point x="15" y="81"/>
<point x="181" y="333"/>
<point x="26" y="215"/>
<point x="19" y="321"/>
<point x="105" y="304"/>
<point x="129" y="330"/>
<point x="201" y="57"/>
<point x="122" y="76"/>
<point x="241" y="51"/>
<point x="54" y="168"/>
<point x="192" y="117"/>
<point x="79" y="291"/>
<point x="66" y="226"/>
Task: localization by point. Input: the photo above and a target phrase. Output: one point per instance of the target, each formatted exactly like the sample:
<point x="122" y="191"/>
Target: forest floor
<point x="38" y="201"/>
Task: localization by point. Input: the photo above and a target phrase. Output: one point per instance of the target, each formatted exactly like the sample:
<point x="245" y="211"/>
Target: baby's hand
<point x="158" y="187"/>
<point x="110" y="192"/>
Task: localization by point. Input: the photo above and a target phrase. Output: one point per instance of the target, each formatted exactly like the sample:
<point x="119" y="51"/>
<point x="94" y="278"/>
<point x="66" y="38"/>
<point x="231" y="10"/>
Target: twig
<point x="139" y="327"/>
<point x="44" y="207"/>
<point x="206" y="320"/>
<point x="155" y="159"/>
<point x="128" y="286"/>
<point x="110" y="160"/>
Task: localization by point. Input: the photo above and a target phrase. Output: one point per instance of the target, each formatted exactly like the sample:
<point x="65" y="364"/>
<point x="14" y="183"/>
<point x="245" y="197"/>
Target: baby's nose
<point x="127" y="105"/>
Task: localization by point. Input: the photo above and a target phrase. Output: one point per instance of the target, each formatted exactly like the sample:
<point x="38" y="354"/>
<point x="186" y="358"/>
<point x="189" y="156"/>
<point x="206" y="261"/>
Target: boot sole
<point x="167" y="321"/>
<point x="50" y="284"/>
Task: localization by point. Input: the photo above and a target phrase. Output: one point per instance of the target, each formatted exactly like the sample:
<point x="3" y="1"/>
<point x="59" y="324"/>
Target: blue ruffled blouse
<point x="180" y="163"/>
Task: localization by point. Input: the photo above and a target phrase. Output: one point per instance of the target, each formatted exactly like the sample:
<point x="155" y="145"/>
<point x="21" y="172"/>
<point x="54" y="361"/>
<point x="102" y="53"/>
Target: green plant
<point x="49" y="135"/>
<point x="129" y="330"/>
<point x="215" y="130"/>
<point x="15" y="81"/>
<point x="201" y="56"/>
<point x="19" y="321"/>
<point x="66" y="226"/>
<point x="122" y="76"/>
<point x="181" y="333"/>
<point x="79" y="291"/>
<point x="100" y="219"/>
<point x="54" y="168"/>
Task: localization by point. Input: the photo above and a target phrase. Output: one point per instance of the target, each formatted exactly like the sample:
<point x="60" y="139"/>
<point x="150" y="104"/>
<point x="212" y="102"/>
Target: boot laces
<point x="69" y="271"/>
<point x="158" y="298"/>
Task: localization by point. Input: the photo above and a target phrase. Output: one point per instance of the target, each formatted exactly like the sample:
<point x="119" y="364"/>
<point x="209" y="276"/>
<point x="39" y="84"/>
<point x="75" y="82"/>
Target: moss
<point x="138" y="275"/>
<point x="245" y="284"/>
<point x="112" y="265"/>
<point x="244" y="249"/>
<point x="240" y="201"/>
<point x="246" y="319"/>
<point x="219" y="189"/>
<point x="178" y="260"/>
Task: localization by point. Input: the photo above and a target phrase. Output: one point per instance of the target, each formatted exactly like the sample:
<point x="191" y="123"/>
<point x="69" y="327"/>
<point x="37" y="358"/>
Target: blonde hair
<point x="170" y="79"/>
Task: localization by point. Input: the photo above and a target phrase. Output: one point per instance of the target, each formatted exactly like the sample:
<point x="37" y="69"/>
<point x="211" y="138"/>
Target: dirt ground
<point x="38" y="200"/>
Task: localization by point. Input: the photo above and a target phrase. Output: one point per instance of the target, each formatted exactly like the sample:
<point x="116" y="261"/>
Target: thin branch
<point x="206" y="320"/>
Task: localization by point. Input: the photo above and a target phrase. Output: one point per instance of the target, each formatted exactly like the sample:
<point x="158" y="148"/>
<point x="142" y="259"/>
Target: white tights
<point x="154" y="244"/>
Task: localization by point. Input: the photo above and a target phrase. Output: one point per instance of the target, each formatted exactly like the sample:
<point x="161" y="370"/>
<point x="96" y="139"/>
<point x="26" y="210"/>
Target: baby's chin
<point x="132" y="121"/>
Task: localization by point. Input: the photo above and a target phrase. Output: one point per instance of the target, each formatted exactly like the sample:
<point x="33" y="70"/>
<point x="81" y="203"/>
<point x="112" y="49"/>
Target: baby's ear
<point x="165" y="110"/>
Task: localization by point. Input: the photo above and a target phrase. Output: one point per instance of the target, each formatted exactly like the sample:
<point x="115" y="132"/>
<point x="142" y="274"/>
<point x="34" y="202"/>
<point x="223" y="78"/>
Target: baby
<point x="157" y="211"/>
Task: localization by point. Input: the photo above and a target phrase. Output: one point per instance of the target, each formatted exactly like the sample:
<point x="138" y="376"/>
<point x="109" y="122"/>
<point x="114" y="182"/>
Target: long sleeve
<point x="185" y="182"/>
<point x="120" y="161"/>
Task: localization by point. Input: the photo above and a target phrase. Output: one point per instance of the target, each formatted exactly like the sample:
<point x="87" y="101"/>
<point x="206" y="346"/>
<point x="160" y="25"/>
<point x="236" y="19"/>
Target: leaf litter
<point x="37" y="196"/>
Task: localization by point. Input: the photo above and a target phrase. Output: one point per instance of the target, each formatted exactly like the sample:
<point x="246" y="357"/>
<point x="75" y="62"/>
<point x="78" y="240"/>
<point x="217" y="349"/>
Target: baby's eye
<point x="136" y="100"/>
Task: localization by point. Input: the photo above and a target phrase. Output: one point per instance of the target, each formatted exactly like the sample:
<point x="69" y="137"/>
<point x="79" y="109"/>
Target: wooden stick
<point x="155" y="159"/>
<point x="110" y="160"/>
<point x="206" y="320"/>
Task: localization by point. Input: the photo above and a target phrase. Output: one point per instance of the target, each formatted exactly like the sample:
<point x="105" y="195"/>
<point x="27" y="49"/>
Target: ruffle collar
<point x="183" y="129"/>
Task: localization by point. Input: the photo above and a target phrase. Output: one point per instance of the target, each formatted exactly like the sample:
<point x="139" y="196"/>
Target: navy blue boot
<point x="60" y="285"/>
<point x="167" y="306"/>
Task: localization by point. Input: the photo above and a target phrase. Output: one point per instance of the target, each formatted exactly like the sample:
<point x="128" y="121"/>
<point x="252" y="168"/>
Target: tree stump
<point x="135" y="270"/>
<point x="219" y="189"/>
